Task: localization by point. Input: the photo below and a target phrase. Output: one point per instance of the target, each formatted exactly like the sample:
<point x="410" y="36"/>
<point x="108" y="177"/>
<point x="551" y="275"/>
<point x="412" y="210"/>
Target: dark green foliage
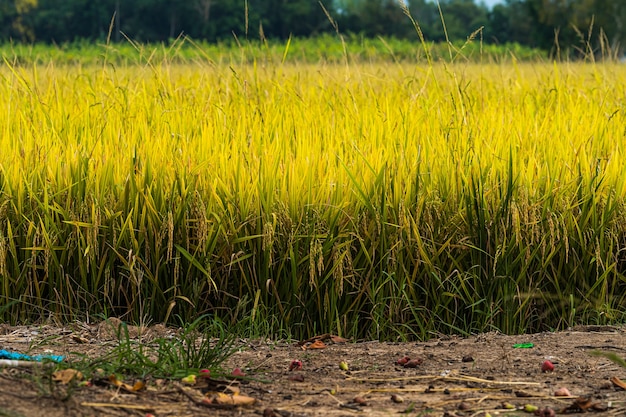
<point x="567" y="28"/>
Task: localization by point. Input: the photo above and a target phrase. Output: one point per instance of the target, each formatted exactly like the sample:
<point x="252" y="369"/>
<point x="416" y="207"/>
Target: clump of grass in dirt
<point x="201" y="345"/>
<point x="196" y="347"/>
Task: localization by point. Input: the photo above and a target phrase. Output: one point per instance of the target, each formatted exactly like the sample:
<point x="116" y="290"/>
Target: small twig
<point x="183" y="391"/>
<point x="421" y="389"/>
<point x="334" y="398"/>
<point x="610" y="347"/>
<point x="494" y="411"/>
<point x="443" y="378"/>
<point x="124" y="406"/>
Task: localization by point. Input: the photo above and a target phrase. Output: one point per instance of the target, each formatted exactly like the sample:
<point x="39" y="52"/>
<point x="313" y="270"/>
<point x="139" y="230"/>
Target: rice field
<point x="374" y="199"/>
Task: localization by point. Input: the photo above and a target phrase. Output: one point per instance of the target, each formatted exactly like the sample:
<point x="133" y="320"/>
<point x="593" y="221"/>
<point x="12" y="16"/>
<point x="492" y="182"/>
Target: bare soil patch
<point x="455" y="377"/>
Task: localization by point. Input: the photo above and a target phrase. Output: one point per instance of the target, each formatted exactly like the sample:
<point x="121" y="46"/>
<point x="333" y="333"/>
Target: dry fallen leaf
<point x="618" y="383"/>
<point x="313" y="339"/>
<point x="318" y="344"/>
<point x="134" y="388"/>
<point x="337" y="339"/>
<point x="583" y="404"/>
<point x="67" y="375"/>
<point x="322" y="337"/>
<point x="231" y="399"/>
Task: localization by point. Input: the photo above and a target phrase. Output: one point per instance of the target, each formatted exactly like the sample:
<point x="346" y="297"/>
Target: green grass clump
<point x="198" y="346"/>
<point x="203" y="344"/>
<point x="375" y="200"/>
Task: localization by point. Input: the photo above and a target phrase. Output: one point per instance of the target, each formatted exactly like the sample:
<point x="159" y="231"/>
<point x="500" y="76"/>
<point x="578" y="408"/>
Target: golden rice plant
<point x="373" y="200"/>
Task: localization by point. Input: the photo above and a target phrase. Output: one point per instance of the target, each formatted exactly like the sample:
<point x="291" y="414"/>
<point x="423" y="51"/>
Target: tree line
<point x="576" y="26"/>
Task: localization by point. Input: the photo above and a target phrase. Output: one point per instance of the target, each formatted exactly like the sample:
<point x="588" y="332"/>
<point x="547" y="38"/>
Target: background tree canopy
<point x="579" y="25"/>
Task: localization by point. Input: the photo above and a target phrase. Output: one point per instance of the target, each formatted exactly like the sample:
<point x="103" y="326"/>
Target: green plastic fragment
<point x="523" y="345"/>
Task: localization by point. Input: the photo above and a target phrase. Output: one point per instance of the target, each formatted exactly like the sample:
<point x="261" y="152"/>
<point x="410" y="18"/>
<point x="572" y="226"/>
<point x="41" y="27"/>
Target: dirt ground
<point x="453" y="376"/>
